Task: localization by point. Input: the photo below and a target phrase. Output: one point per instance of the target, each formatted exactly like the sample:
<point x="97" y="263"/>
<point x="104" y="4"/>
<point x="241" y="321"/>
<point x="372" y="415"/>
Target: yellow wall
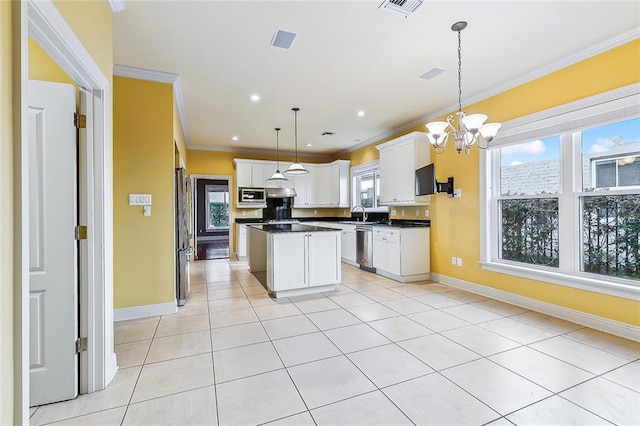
<point x="42" y="67"/>
<point x="143" y="163"/>
<point x="455" y="227"/>
<point x="6" y="219"/>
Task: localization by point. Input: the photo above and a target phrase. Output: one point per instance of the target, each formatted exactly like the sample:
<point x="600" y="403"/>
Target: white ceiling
<point x="348" y="56"/>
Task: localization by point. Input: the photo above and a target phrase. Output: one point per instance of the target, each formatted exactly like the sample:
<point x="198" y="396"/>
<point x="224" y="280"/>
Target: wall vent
<point x="283" y="39"/>
<point x="401" y="7"/>
<point x="432" y="73"/>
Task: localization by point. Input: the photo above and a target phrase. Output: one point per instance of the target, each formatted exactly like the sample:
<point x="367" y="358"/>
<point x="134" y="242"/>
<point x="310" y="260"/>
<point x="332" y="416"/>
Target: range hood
<point x="280" y="192"/>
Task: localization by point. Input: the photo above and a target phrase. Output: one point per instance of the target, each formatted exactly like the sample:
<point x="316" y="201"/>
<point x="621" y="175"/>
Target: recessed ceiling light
<point x="255" y="98"/>
<point x="235" y="138"/>
<point x="309" y="144"/>
<point x="361" y="113"/>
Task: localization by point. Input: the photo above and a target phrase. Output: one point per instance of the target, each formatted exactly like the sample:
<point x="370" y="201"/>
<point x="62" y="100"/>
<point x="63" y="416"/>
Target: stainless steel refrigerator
<point x="183" y="248"/>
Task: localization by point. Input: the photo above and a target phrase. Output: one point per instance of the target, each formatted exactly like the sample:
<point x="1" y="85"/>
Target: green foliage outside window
<point x="218" y="215"/>
<point x="611" y="235"/>
<point x="530" y="231"/>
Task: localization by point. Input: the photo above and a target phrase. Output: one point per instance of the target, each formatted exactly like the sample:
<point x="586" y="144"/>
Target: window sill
<point x="592" y="283"/>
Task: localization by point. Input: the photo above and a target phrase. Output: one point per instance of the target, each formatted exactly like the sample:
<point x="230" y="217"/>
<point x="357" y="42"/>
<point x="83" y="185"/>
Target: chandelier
<point x="471" y="128"/>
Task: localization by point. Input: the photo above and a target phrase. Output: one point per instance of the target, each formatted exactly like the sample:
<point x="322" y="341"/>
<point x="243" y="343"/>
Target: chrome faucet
<point x="364" y="213"/>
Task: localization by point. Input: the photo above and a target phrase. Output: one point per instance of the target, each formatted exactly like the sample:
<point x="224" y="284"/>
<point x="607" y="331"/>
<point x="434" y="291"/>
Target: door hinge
<point x="79" y="120"/>
<point x="81" y="232"/>
<point x="81" y="345"/>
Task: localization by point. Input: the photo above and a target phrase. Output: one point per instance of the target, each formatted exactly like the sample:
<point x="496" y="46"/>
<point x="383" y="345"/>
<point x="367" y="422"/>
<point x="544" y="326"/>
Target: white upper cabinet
<point x="249" y="174"/>
<point x="326" y="185"/>
<point x="399" y="159"/>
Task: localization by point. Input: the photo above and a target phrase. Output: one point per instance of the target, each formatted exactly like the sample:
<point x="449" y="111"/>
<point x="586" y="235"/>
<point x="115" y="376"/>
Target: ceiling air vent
<point x="401" y="7"/>
<point x="283" y="39"/>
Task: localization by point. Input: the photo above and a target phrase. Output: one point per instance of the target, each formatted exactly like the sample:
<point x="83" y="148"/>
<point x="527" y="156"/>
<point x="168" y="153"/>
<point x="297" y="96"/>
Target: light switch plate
<point x="139" y="199"/>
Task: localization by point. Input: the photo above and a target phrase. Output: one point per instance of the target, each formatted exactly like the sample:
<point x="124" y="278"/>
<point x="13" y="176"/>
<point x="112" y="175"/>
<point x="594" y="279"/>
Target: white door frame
<point x="194" y="194"/>
<point x="41" y="20"/>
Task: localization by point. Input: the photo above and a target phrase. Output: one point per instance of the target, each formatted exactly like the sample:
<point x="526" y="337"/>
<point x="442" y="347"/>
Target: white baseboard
<point x="617" y="328"/>
<point x="145" y="311"/>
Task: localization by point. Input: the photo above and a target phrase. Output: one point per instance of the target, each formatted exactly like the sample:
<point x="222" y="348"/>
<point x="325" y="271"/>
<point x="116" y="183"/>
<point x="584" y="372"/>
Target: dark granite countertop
<point x="290" y="227"/>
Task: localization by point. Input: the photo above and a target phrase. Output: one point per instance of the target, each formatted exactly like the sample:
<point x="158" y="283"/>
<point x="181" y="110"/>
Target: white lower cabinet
<point x="401" y="253"/>
<point x="349" y="244"/>
<point x="305" y="259"/>
<point x="241" y="248"/>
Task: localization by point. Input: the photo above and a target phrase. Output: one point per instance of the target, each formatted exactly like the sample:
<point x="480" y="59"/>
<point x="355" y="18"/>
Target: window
<point x="218" y="201"/>
<point x="366" y="187"/>
<point x="565" y="207"/>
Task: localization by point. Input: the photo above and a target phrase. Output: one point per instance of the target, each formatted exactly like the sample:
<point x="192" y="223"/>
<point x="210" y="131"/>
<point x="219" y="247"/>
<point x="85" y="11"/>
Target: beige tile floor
<point x="373" y="352"/>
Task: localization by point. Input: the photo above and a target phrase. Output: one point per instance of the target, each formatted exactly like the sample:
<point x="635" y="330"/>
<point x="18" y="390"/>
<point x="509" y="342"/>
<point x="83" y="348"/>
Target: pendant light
<point x="277" y="176"/>
<point x="471" y="129"/>
<point x="296" y="169"/>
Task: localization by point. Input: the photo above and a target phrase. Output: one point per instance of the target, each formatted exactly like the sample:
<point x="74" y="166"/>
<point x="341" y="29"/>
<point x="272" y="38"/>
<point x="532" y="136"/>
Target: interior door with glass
<point x="212" y="227"/>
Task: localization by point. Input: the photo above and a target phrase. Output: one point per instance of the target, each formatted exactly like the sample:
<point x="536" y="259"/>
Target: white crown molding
<point x="143" y="74"/>
<point x="159" y="77"/>
<point x="117" y="5"/>
<point x="628" y="331"/>
<point x="144" y="311"/>
<point x="254" y="151"/>
<point x="568" y="60"/>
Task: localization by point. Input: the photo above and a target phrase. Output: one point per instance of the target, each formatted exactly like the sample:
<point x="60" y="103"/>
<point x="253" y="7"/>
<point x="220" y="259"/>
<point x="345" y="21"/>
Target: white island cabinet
<point x="295" y="259"/>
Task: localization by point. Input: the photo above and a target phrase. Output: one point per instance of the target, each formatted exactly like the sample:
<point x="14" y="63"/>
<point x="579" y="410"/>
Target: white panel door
<point x="53" y="302"/>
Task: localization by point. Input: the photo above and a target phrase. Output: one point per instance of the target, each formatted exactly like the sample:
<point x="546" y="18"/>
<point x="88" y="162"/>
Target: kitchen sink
<point x="357" y="222"/>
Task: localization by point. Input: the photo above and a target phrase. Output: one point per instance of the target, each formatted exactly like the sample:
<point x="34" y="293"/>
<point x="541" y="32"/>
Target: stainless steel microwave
<point x="252" y="196"/>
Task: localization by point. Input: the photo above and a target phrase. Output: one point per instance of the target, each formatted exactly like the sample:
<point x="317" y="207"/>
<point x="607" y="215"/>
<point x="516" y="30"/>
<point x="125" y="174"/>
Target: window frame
<point x="358" y="172"/>
<point x="568" y="121"/>
<point x="208" y="190"/>
<point x="594" y="177"/>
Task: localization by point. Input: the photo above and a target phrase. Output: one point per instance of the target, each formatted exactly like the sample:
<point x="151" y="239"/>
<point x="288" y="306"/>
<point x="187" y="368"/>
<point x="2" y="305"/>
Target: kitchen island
<point x="295" y="259"/>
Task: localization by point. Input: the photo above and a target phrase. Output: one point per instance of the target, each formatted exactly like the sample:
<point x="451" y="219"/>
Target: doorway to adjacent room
<point x="212" y="218"/>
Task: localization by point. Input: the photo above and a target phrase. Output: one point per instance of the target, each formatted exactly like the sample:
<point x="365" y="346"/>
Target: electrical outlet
<point x="457" y="193"/>
<point x="454" y="260"/>
<point x="394" y="212"/>
<point x="255" y="213"/>
<point x="344" y="212"/>
<point x="402" y="213"/>
<point x="146" y="210"/>
<point x="315" y="212"/>
<point x="417" y="213"/>
<point x="426" y="213"/>
<point x="244" y="213"/>
<point x="459" y="261"/>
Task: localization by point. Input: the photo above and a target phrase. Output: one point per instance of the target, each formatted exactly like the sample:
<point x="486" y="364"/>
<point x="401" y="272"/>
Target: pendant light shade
<point x="277" y="176"/>
<point x="296" y="169"/>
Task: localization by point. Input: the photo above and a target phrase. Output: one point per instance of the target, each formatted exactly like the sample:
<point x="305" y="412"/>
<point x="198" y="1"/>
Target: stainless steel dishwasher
<point x="364" y="247"/>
